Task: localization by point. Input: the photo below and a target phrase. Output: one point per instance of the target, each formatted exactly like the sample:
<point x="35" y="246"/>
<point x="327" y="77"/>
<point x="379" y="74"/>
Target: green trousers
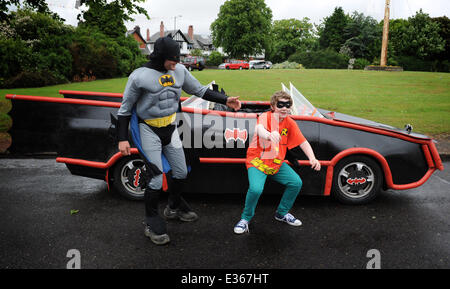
<point x="285" y="176"/>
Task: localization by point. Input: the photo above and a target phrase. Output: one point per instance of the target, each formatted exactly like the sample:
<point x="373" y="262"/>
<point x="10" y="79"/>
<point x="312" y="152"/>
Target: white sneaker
<point x="241" y="227"/>
<point x="288" y="218"/>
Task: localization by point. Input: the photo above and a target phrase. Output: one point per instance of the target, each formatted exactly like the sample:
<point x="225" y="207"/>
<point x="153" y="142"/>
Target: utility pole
<point x="384" y="44"/>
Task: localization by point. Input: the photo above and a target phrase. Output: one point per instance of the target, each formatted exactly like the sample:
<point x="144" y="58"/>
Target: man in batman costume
<point x="151" y="100"/>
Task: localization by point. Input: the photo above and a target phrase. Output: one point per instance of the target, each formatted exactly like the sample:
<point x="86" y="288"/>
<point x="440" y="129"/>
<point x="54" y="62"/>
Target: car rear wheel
<point x="127" y="177"/>
<point x="357" y="180"/>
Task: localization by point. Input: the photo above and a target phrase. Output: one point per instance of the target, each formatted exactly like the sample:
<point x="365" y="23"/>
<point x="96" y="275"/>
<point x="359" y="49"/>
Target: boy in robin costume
<point x="275" y="133"/>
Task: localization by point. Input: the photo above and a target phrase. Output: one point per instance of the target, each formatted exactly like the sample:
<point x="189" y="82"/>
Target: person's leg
<point x="177" y="206"/>
<point x="289" y="178"/>
<point x="175" y="156"/>
<point x="156" y="227"/>
<point x="256" y="180"/>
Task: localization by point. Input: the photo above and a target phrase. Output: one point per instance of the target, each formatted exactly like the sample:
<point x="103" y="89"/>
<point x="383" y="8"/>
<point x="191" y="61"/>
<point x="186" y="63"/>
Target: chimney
<point x="161" y="30"/>
<point x="191" y="32"/>
<point x="148" y="34"/>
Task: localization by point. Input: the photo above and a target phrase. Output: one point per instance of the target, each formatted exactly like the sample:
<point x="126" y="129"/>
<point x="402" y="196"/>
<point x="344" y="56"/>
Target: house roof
<point x="137" y="31"/>
<point x="171" y="33"/>
<point x="198" y="42"/>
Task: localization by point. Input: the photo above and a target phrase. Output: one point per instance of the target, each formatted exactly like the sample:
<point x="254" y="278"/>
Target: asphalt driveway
<point x="45" y="212"/>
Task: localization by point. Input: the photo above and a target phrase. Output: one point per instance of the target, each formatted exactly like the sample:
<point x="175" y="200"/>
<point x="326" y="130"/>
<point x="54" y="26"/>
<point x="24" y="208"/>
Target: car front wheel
<point x="128" y="177"/>
<point x="357" y="180"/>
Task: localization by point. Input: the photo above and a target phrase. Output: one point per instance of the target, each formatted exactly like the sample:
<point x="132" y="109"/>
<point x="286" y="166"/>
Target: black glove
<point x="122" y="127"/>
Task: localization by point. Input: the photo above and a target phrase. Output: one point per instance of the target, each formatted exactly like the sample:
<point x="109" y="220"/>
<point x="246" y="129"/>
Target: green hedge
<point x="320" y="59"/>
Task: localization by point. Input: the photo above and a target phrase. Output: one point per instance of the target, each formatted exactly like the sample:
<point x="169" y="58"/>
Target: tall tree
<point x="242" y="27"/>
<point x="362" y="34"/>
<point x="444" y="32"/>
<point x="332" y="32"/>
<point x="420" y="37"/>
<point x="109" y="17"/>
<point x="289" y="36"/>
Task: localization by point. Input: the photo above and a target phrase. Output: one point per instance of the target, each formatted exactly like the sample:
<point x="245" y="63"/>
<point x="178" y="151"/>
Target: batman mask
<point x="165" y="49"/>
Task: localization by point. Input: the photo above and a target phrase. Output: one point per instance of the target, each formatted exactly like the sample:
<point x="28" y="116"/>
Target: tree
<point x="362" y="34"/>
<point x="35" y="5"/>
<point x="109" y="17"/>
<point x="420" y="37"/>
<point x="332" y="31"/>
<point x="242" y="27"/>
<point x="289" y="36"/>
<point x="444" y="32"/>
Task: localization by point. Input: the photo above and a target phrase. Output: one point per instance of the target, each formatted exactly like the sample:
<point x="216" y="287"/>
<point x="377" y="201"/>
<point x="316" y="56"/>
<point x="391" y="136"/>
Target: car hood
<point x="365" y="122"/>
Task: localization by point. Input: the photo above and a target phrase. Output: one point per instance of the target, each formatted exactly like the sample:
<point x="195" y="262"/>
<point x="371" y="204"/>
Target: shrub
<point x="360" y="63"/>
<point x="33" y="46"/>
<point x="96" y="55"/>
<point x="34" y="79"/>
<point x="214" y="59"/>
<point x="415" y="64"/>
<point x="287" y="65"/>
<point x="327" y="58"/>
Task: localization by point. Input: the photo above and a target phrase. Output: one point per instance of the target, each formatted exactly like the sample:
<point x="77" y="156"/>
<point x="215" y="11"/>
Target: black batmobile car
<point x="358" y="157"/>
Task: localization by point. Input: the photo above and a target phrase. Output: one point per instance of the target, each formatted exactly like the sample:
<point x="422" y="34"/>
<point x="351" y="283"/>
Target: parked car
<point x="260" y="64"/>
<point x="235" y="64"/>
<point x="194" y="62"/>
<point x="358" y="157"/>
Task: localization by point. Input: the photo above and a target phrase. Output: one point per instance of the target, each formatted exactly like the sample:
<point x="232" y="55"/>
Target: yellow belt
<point x="260" y="165"/>
<point x="162" y="121"/>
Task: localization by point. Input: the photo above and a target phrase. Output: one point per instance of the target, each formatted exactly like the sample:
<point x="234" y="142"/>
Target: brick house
<point x="136" y="33"/>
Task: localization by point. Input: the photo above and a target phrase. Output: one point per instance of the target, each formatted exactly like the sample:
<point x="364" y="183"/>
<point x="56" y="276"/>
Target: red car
<point x="237" y="64"/>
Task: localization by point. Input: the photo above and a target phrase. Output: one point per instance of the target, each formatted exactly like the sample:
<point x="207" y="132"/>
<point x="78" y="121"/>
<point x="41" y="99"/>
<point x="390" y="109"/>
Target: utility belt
<point x="161" y="121"/>
<point x="164" y="132"/>
<point x="260" y="165"/>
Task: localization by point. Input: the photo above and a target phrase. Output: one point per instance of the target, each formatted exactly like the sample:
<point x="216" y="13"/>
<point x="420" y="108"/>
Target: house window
<point x="190" y="46"/>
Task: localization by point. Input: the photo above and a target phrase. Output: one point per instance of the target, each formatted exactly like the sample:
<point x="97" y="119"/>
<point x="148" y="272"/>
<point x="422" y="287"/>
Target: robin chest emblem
<point x="166" y="80"/>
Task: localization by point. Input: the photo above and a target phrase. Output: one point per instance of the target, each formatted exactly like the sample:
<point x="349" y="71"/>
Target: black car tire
<point x="190" y="68"/>
<point x="124" y="170"/>
<point x="357" y="180"/>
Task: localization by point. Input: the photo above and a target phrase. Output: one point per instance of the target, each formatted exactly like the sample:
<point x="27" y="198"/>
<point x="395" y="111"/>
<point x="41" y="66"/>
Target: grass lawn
<point x="395" y="98"/>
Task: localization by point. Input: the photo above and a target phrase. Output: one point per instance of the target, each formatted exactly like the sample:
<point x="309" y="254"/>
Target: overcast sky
<point x="201" y="13"/>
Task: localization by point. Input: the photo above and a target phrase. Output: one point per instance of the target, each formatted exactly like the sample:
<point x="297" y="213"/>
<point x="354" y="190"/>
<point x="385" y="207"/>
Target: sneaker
<point x="288" y="218"/>
<point x="241" y="227"/>
<point x="186" y="216"/>
<point x="157" y="239"/>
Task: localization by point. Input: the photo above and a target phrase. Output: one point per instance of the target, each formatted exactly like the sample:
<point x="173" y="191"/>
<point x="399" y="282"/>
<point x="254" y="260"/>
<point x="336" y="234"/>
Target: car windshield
<point x="301" y="105"/>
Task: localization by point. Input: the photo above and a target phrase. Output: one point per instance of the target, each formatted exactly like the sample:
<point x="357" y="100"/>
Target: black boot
<point x="178" y="207"/>
<point x="155" y="227"/>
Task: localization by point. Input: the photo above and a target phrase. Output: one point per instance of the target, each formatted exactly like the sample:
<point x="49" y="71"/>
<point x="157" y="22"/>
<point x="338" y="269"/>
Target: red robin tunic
<point x="267" y="156"/>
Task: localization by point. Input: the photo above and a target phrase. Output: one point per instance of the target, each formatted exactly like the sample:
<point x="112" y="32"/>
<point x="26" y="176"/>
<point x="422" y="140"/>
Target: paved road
<point x="409" y="228"/>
